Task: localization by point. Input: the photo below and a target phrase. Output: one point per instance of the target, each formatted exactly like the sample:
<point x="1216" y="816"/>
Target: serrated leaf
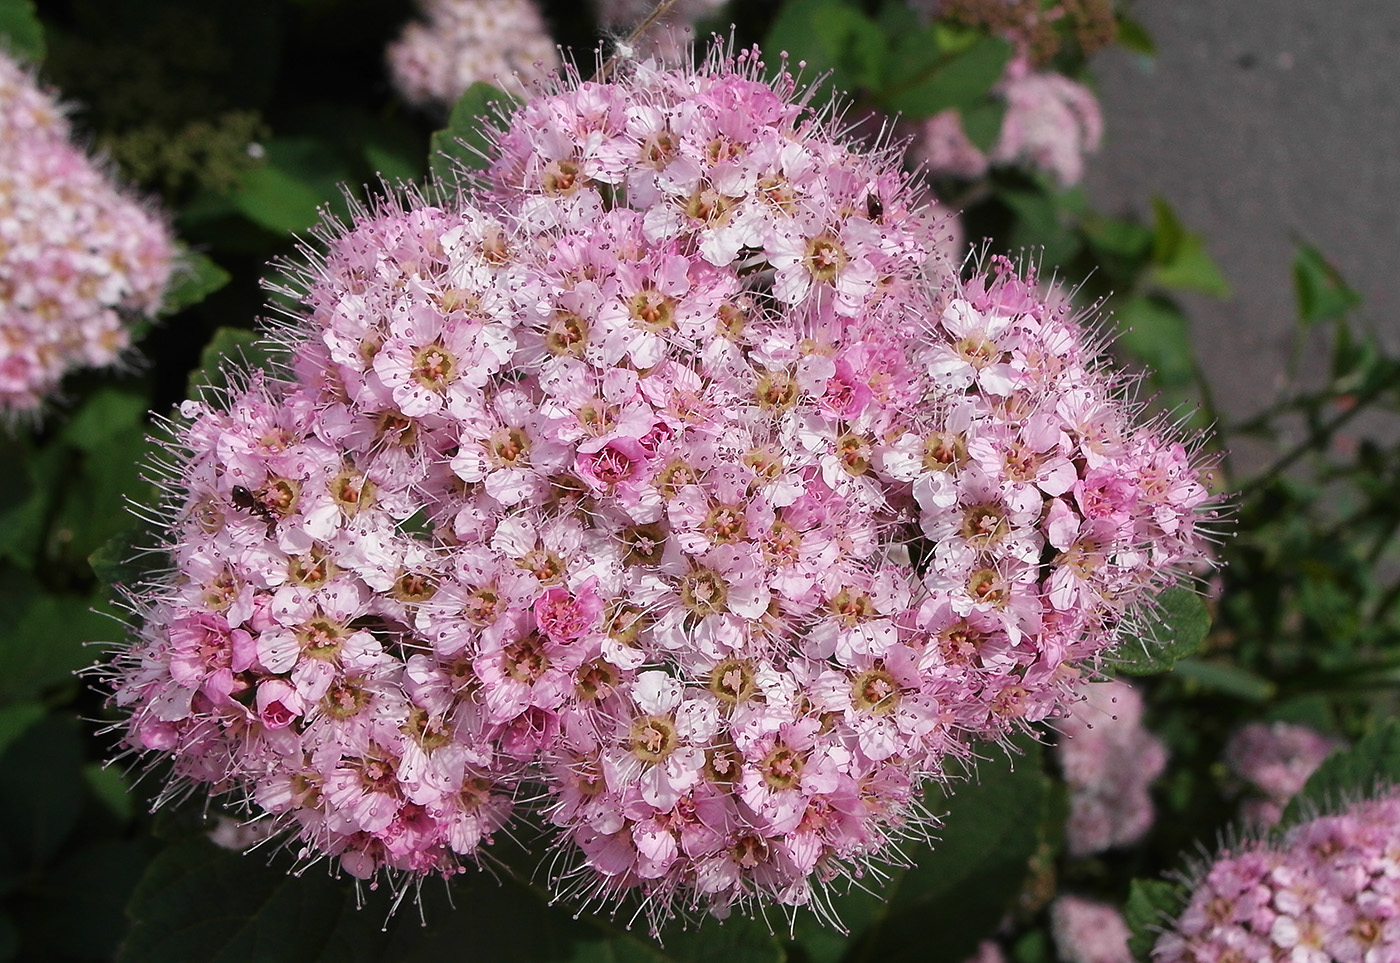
<point x="961" y="887"/>
<point x="1321" y="291"/>
<point x="958" y="80"/>
<point x="21" y="32"/>
<point x="1151" y="902"/>
<point x="465" y="143"/>
<point x="1343" y="776"/>
<point x="237" y="347"/>
<point x="196" y="278"/>
<point x="1178" y="626"/>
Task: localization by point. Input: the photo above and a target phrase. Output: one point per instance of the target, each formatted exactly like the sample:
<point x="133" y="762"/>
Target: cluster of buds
<point x="1327" y="890"/>
<point x="666" y="486"/>
<point x="78" y="259"/>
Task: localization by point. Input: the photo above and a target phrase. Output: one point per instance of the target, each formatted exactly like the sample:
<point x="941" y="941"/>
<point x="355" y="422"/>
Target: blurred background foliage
<point x="248" y="119"/>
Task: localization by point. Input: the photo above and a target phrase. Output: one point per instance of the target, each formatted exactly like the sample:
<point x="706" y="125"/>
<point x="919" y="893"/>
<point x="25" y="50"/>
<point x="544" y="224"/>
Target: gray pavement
<point x="1259" y="121"/>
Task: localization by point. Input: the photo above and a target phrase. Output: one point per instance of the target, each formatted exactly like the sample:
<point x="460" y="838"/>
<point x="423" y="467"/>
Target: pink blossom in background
<point x="79" y="260"/>
<point x="987" y="952"/>
<point x="1051" y="123"/>
<point x="1276" y="759"/>
<point x="1087" y="931"/>
<point x="943" y="147"/>
<point x="460" y="42"/>
<point x="667" y="401"/>
<point x="1327" y="890"/>
<point x="1109" y="760"/>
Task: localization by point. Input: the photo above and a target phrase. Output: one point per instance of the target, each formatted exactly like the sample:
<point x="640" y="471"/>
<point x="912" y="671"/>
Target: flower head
<point x="737" y="522"/>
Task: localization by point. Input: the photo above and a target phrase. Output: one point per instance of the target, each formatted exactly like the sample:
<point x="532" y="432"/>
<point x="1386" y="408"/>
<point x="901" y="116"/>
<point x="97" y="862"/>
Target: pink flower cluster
<point x="1051" y="122"/>
<point x="1276" y="759"/>
<point x="1087" y="931"/>
<point x="663" y="484"/>
<point x="77" y="258"/>
<point x="1328" y="891"/>
<point x="462" y="42"/>
<point x="1109" y="760"/>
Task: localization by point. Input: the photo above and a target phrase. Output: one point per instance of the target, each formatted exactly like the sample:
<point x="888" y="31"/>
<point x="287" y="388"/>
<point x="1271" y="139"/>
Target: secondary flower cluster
<point x="1087" y="931"/>
<point x="669" y="483"/>
<point x="1051" y="122"/>
<point x="1276" y="759"/>
<point x="77" y="258"/>
<point x="462" y="42"/>
<point x="1329" y="890"/>
<point x="1109" y="761"/>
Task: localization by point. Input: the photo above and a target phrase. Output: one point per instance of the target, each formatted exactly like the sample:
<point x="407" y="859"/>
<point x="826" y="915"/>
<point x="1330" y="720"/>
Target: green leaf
<point x="1155" y="332"/>
<point x="110" y="410"/>
<point x="961" y="80"/>
<point x="1343" y="776"/>
<point x="1227" y="679"/>
<point x="982" y="122"/>
<point x="21" y="33"/>
<point x="196" y="278"/>
<point x="26" y="496"/>
<point x="392" y="165"/>
<point x="93" y="507"/>
<point x="1178" y="625"/>
<point x="121" y="561"/>
<point x="111" y="789"/>
<point x="236" y="348"/>
<point x="46" y="639"/>
<point x="1041" y="223"/>
<point x="1180" y="259"/>
<point x="286" y="193"/>
<point x="1134" y="37"/>
<point x="833" y="38"/>
<point x="961" y="887"/>
<point x="15" y="720"/>
<point x="465" y="143"/>
<point x="1151" y="903"/>
<point x="1322" y="293"/>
